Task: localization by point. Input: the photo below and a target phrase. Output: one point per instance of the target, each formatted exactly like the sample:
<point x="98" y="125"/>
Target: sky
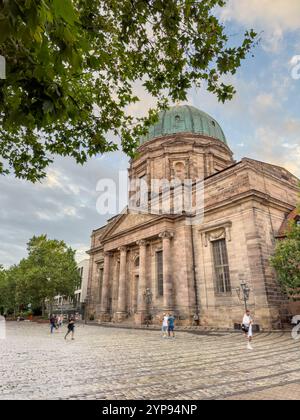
<point x="262" y="122"/>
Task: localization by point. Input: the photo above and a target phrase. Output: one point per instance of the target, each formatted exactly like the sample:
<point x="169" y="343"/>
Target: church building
<point x="152" y="258"/>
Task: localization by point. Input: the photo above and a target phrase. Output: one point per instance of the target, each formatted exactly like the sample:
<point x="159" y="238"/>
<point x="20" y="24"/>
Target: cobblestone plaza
<point x="120" y="364"/>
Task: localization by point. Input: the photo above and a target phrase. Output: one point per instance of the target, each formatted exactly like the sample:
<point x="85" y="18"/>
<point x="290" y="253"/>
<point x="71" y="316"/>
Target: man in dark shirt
<point x="52" y="323"/>
<point x="171" y="325"/>
<point x="71" y="328"/>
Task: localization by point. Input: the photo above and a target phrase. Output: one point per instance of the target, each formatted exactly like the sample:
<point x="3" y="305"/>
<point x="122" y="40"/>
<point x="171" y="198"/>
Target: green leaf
<point x="64" y="57"/>
<point x="65" y="10"/>
<point x="4" y="30"/>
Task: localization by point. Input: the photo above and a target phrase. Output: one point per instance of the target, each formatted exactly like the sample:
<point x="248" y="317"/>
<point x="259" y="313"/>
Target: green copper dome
<point x="185" y="119"/>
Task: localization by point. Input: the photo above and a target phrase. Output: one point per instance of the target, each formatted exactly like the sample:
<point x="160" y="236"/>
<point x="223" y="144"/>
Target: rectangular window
<point x="221" y="266"/>
<point x="160" y="274"/>
<point x="142" y="192"/>
<point x="100" y="280"/>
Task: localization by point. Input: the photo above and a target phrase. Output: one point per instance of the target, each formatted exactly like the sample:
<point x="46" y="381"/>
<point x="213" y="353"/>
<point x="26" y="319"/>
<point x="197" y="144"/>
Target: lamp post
<point x="243" y="293"/>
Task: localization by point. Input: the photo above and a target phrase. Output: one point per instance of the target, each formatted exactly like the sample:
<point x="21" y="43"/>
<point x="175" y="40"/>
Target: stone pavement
<point x="111" y="363"/>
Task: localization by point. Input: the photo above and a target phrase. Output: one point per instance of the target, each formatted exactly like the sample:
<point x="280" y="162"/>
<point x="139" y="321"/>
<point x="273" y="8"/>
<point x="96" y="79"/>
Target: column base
<point x="104" y="317"/>
<point x="139" y="318"/>
<point x="120" y="316"/>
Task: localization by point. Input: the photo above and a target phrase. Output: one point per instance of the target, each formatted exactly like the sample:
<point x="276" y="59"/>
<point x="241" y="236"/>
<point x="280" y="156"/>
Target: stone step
<point x="127" y="325"/>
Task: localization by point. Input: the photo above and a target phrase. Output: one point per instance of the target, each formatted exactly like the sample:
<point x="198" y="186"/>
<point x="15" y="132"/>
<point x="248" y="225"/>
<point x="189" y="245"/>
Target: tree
<point x="2" y="290"/>
<point x="72" y="66"/>
<point x="286" y="261"/>
<point x="49" y="270"/>
<point x="8" y="287"/>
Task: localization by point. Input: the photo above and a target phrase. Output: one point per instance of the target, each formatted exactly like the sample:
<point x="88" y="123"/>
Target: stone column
<point x="167" y="270"/>
<point x="121" y="314"/>
<point x="104" y="316"/>
<point x="141" y="303"/>
<point x="135" y="293"/>
<point x="115" y="291"/>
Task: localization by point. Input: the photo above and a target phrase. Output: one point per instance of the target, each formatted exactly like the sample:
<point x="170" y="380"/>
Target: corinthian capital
<point x="141" y="243"/>
<point x="122" y="249"/>
<point x="166" y="235"/>
<point x="108" y="254"/>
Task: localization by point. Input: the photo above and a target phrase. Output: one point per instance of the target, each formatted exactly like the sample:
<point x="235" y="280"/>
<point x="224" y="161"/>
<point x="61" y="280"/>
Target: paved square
<point x="110" y="363"/>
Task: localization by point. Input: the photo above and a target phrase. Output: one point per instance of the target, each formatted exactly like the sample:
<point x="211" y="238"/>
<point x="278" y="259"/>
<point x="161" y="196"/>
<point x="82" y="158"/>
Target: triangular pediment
<point x="127" y="222"/>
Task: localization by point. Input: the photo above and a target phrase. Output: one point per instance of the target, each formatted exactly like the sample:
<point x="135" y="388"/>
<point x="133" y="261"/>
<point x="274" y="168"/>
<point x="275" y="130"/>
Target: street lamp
<point x="243" y="293"/>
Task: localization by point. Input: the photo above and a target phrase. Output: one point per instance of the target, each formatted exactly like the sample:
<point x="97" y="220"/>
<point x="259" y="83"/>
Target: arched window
<point x="137" y="262"/>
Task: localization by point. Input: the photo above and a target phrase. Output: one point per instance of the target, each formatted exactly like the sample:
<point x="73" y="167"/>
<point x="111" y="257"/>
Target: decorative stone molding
<point x="179" y="167"/>
<point x="134" y="255"/>
<point x="123" y="249"/>
<point x="108" y="254"/>
<point x="215" y="233"/>
<point x="156" y="248"/>
<point x="142" y="242"/>
<point x="99" y="266"/>
<point x="166" y="235"/>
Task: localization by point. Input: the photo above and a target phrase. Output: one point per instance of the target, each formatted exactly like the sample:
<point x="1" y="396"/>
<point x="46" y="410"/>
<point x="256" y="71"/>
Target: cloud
<point x="273" y="42"/>
<point x="268" y="14"/>
<point x="280" y="149"/>
<point x="266" y="101"/>
<point x="262" y="120"/>
<point x="61" y="213"/>
<point x="274" y="17"/>
<point x="63" y="206"/>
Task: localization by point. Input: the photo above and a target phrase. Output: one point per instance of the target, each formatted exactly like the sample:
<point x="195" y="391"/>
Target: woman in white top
<point x="247" y="328"/>
<point x="165" y="324"/>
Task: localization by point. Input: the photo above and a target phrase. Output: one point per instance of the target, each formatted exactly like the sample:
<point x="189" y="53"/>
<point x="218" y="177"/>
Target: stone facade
<point x="145" y="264"/>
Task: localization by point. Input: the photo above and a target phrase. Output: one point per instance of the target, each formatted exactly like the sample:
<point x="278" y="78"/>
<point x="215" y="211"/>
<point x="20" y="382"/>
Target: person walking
<point x="247" y="327"/>
<point x="165" y="325"/>
<point x="196" y="319"/>
<point x="71" y="328"/>
<point x="59" y="321"/>
<point x="52" y="323"/>
<point x="171" y="325"/>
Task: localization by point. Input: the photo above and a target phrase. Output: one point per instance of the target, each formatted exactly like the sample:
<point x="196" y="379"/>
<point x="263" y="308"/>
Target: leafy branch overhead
<point x="72" y="66"/>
